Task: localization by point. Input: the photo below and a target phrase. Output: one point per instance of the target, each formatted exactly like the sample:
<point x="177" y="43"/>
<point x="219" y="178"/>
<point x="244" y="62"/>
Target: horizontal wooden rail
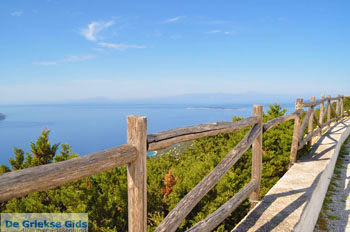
<point x="184" y="207"/>
<point x="313" y="104"/>
<point x="214" y="219"/>
<point x="44" y="177"/>
<point x="165" y="139"/>
<point x="276" y="121"/>
<point x="315" y="132"/>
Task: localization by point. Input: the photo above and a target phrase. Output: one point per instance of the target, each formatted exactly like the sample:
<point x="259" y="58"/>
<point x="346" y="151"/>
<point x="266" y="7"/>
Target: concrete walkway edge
<point x="294" y="203"/>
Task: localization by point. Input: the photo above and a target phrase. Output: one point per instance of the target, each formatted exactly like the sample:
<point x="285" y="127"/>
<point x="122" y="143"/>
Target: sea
<point x="89" y="128"/>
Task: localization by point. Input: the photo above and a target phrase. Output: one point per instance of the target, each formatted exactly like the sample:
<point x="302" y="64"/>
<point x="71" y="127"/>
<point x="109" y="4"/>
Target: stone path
<point x="335" y="214"/>
<point x="294" y="203"/>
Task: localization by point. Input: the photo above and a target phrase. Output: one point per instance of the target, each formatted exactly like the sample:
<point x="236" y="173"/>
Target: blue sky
<point x="55" y="50"/>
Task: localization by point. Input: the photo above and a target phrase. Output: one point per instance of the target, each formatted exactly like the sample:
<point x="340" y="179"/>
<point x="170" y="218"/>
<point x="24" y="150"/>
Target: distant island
<point x="2" y="116"/>
<point x="213" y="108"/>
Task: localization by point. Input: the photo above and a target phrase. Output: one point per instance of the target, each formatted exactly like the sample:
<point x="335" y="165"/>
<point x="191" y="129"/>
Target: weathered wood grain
<point x="329" y="105"/>
<point x="305" y="123"/>
<point x="325" y="112"/>
<point x="312" y="104"/>
<point x="156" y="137"/>
<point x="309" y="137"/>
<point x="342" y="106"/>
<point x="311" y="121"/>
<point x="328" y="122"/>
<point x="137" y="175"/>
<point x="337" y="108"/>
<point x="322" y="112"/>
<point x="317" y="121"/>
<point x="276" y="121"/>
<point x="165" y="139"/>
<point x="257" y="156"/>
<point x="44" y="177"/>
<point x="183" y="208"/>
<point x="333" y="111"/>
<point x="296" y="132"/>
<point x="214" y="219"/>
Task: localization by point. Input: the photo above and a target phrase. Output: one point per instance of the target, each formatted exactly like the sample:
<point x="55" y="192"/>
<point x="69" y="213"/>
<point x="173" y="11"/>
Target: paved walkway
<point x="335" y="214"/>
<point x="294" y="203"/>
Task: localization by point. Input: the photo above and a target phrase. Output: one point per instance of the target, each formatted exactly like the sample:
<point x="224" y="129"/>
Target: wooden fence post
<point x="329" y="110"/>
<point x="257" y="157"/>
<point x="311" y="121"/>
<point x="342" y="106"/>
<point x="337" y="109"/>
<point x="321" y="112"/>
<point x="137" y="176"/>
<point x="296" y="132"/>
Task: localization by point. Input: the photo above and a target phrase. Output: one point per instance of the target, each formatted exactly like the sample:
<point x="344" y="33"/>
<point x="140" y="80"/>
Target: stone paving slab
<point x="294" y="203"/>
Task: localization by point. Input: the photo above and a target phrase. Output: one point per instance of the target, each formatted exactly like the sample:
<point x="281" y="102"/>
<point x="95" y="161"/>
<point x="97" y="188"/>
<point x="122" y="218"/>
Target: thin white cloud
<point x="119" y="46"/>
<point x="219" y="32"/>
<point x="16" y="13"/>
<point x="94" y="28"/>
<point x="68" y="59"/>
<point x="172" y="20"/>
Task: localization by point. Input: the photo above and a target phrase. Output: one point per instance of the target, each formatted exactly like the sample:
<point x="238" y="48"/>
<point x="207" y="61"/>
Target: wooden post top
<point x="299" y="104"/>
<point x="258" y="110"/>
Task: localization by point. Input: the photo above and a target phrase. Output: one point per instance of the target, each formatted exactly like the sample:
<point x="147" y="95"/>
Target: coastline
<point x="213" y="108"/>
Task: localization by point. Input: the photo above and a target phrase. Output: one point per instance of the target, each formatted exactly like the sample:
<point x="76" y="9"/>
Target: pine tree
<point x="66" y="198"/>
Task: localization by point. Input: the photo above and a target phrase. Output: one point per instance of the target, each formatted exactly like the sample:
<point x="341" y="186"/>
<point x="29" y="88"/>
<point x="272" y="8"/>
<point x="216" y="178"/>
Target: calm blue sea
<point x="90" y="128"/>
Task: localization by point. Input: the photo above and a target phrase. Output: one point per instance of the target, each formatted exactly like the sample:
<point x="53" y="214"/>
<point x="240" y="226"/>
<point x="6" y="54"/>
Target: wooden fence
<point x="134" y="154"/>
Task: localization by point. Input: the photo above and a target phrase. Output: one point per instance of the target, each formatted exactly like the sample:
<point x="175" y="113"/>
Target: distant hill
<point x="226" y="98"/>
<point x="198" y="99"/>
<point x="2" y="116"/>
<point x="195" y="99"/>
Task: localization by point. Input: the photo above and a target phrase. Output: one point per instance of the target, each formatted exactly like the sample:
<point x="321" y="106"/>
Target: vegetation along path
<point x="335" y="214"/>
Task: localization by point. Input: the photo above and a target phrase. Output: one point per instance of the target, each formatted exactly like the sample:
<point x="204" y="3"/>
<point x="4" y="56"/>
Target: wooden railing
<point x="134" y="154"/>
<point x="311" y="117"/>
